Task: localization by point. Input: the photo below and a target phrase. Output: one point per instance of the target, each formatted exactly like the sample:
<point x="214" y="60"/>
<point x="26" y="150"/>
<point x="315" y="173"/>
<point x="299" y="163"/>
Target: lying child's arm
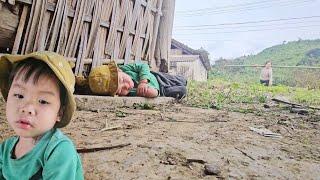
<point x="144" y="90"/>
<point x="147" y="81"/>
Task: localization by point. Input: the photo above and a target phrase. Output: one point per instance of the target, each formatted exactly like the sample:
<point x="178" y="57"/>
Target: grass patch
<point x="219" y="92"/>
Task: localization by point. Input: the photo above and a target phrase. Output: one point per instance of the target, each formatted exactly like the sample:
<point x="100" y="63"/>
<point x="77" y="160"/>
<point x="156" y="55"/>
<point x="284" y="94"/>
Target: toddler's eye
<point x="19" y="96"/>
<point x="41" y="101"/>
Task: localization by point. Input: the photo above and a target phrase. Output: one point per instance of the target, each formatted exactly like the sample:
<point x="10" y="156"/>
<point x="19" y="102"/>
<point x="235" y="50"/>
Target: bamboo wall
<point x="90" y="31"/>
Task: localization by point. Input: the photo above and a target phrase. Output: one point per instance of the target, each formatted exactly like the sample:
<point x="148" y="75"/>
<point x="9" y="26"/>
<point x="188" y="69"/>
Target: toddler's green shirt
<point x="53" y="157"/>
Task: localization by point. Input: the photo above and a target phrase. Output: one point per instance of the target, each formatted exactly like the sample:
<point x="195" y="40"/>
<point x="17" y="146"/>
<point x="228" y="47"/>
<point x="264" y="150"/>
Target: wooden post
<point x="165" y="35"/>
<point x="156" y="28"/>
<point x="22" y="22"/>
<point x="8" y="26"/>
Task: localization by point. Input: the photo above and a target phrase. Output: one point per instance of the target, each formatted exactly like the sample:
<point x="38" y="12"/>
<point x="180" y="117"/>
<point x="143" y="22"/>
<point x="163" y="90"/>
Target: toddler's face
<point x="125" y="84"/>
<point x="33" y="107"/>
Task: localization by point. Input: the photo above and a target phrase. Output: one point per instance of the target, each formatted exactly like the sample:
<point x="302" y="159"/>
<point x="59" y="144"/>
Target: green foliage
<point x="121" y="114"/>
<point x="219" y="93"/>
<point x="145" y="106"/>
<point x="303" y="52"/>
<point x="311" y="58"/>
<point x="304" y="96"/>
<point x="289" y="54"/>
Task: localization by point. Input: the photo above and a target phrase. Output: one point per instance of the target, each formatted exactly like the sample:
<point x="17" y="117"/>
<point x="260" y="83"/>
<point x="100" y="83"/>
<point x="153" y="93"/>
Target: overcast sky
<point x="232" y="28"/>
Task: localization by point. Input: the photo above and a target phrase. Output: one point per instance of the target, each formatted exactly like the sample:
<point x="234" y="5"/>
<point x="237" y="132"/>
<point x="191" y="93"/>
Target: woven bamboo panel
<point x="90" y="31"/>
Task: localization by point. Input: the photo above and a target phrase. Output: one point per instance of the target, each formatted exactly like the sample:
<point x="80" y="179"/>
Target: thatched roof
<point x="203" y="54"/>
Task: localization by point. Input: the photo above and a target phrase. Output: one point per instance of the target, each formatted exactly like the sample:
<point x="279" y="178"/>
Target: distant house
<point x="190" y="63"/>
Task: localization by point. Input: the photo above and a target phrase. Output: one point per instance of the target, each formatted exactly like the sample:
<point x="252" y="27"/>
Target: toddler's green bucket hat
<point x="57" y="63"/>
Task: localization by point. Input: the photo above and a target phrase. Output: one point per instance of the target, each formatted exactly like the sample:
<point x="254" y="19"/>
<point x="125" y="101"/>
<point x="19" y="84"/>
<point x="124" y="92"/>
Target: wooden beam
<point x="294" y="104"/>
<point x="25" y="1"/>
<point x="88" y="18"/>
<point x="154" y="63"/>
<point x="165" y="35"/>
<point x="20" y="30"/>
<point x="104" y="61"/>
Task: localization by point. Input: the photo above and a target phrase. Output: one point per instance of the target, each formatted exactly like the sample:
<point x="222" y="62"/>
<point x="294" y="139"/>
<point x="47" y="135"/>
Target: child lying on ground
<point x="38" y="89"/>
<point x="130" y="79"/>
<point x="135" y="79"/>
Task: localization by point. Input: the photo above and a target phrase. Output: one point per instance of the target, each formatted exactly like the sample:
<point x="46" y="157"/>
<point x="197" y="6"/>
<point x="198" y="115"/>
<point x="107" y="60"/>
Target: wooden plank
<point x="139" y="41"/>
<point x="136" y="20"/>
<point x="51" y="7"/>
<point x="76" y="28"/>
<point x="9" y="22"/>
<point x="119" y="48"/>
<point x="143" y="3"/>
<point x="126" y="29"/>
<point x="25" y="40"/>
<point x="294" y="104"/>
<point x="103" y="31"/>
<point x="95" y="30"/>
<point x="115" y="54"/>
<point x="22" y="23"/>
<point x="165" y="35"/>
<point x="82" y="12"/>
<point x="88" y="18"/>
<point x="136" y="39"/>
<point x="122" y="9"/>
<point x="82" y="49"/>
<point x="155" y="62"/>
<point x="148" y="41"/>
<point x="41" y="43"/>
<point x="66" y="26"/>
<point x="29" y="2"/>
<point x="87" y="61"/>
<point x="142" y="44"/>
<point x="55" y="26"/>
<point x="96" y="53"/>
<point x="112" y="35"/>
<point x="148" y="28"/>
<point x="82" y="53"/>
<point x="127" y="56"/>
<point x="39" y="27"/>
<point x="127" y="38"/>
<point x="95" y="26"/>
<point x="33" y="26"/>
<point x="64" y="29"/>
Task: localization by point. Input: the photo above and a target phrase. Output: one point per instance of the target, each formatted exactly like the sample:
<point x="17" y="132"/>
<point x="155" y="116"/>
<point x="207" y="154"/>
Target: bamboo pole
<point x="298" y="67"/>
<point x="155" y="36"/>
<point x="22" y="22"/>
<point x="165" y="35"/>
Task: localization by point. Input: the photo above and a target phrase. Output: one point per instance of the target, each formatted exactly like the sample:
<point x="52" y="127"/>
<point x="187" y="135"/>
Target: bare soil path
<point x="166" y="141"/>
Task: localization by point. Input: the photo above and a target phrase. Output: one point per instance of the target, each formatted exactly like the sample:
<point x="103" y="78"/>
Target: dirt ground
<point x="177" y="142"/>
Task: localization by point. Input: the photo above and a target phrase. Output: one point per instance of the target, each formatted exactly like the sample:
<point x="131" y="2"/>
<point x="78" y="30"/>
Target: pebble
<point x="212" y="169"/>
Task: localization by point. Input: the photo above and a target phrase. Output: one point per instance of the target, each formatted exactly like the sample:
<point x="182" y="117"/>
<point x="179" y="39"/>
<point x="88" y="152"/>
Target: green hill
<point x="312" y="58"/>
<point x="295" y="53"/>
<point x="289" y="54"/>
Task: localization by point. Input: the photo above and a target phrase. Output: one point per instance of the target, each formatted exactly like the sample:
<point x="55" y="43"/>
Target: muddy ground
<point x="177" y="142"/>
